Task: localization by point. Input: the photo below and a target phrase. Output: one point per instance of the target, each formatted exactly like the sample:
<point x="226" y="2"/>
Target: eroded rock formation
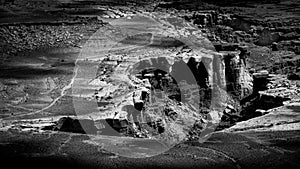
<point x="238" y="79"/>
<point x="179" y="85"/>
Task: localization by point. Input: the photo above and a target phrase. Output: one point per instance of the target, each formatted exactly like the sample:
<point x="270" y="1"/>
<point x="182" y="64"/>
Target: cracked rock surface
<point x="94" y="84"/>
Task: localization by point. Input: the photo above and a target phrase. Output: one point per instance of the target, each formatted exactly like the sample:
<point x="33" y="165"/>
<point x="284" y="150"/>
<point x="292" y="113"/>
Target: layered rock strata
<point x="162" y="93"/>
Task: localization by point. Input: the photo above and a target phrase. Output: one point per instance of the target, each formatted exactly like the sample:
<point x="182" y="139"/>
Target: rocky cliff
<point x="179" y="89"/>
<point x="157" y="76"/>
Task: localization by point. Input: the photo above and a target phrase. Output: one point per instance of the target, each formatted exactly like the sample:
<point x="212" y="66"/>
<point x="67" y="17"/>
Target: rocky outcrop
<point x="206" y="18"/>
<point x="139" y="98"/>
<point x="283" y="118"/>
<point x="260" y="81"/>
<point x="270" y="91"/>
<point x="228" y="69"/>
<point x="286" y="65"/>
<point x="267" y="37"/>
<point x="177" y="87"/>
<point x="68" y="124"/>
<point x="238" y="79"/>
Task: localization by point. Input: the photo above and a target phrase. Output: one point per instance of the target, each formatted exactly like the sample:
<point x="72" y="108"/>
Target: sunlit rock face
<point x="159" y="74"/>
<point x="181" y="88"/>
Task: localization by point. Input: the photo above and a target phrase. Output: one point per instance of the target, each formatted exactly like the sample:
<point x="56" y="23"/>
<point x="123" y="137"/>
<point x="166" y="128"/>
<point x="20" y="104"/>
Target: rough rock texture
<point x="239" y="81"/>
<point x="270" y="91"/>
<point x="115" y="98"/>
<point x="169" y="91"/>
<point x="283" y="118"/>
<point x="165" y="91"/>
<point x="68" y="124"/>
